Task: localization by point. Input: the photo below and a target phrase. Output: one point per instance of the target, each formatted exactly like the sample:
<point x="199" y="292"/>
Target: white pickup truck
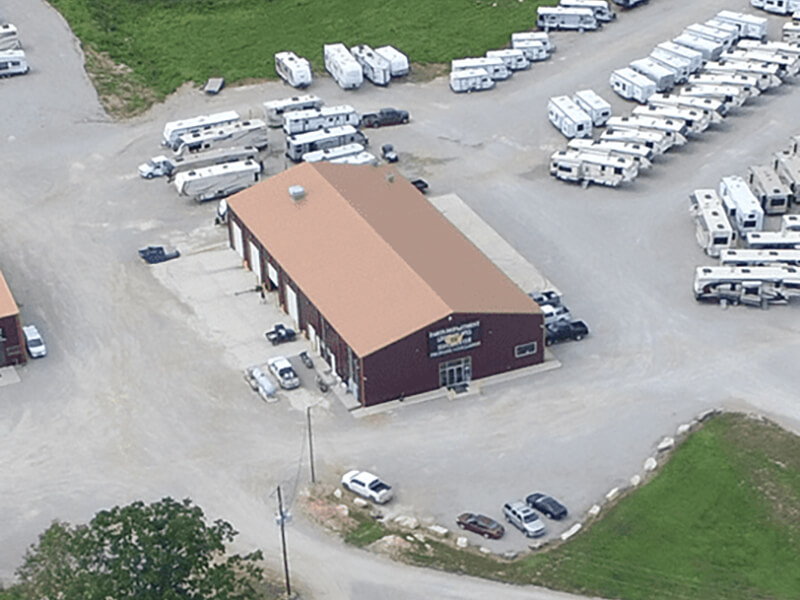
<point x="367" y="485"/>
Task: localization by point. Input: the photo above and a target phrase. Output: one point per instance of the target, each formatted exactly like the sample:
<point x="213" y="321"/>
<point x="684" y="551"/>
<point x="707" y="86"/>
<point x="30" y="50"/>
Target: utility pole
<point x="310" y="444"/>
<point x="282" y="518"/>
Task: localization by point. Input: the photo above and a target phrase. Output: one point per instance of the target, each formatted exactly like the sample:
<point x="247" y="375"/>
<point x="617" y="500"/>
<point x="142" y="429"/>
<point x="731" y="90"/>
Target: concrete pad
<point x="8" y="376"/>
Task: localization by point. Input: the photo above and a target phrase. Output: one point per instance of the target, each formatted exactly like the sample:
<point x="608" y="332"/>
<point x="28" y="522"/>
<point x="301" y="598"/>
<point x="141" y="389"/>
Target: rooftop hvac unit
<point x="297" y="192"/>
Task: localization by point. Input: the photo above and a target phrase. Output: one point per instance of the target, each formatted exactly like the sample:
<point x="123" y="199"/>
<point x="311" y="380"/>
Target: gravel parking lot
<point x="140" y="397"/>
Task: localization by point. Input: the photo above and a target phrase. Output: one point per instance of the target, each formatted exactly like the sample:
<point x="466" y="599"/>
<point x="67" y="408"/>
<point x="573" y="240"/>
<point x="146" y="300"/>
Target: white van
<point x="568" y="118"/>
<point x="559" y="17"/>
<point x="470" y="80"/>
<point x="593" y="105"/>
<point x="292" y="69"/>
<point x="632" y="85"/>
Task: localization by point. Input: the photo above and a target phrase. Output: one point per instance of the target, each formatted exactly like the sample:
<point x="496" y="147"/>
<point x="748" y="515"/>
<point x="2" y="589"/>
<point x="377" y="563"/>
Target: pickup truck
<point x="385" y="116"/>
<point x="157" y="254"/>
<point x="280" y="334"/>
<point x="565" y="330"/>
<point x="367" y="485"/>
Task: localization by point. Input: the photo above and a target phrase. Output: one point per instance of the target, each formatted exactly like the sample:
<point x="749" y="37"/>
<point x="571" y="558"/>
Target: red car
<point x="481" y="524"/>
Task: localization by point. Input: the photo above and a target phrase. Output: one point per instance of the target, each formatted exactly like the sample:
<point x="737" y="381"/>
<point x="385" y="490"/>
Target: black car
<point x="157" y="254"/>
<point x="388" y="153"/>
<point x="421" y="185"/>
<point x="385" y="116"/>
<point x="547" y="505"/>
<point x="280" y="334"/>
<point x="565" y="330"/>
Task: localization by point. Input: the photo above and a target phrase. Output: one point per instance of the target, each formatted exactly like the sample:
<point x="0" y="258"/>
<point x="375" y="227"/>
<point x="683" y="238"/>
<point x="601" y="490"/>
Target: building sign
<point x="454" y="339"/>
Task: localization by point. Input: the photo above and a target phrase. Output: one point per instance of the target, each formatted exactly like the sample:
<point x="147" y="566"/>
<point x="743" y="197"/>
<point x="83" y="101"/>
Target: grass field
<point x="168" y="42"/>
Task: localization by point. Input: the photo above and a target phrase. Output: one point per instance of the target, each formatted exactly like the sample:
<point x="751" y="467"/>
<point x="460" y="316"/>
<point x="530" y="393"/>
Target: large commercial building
<point x="389" y="293"/>
<point x="12" y="345"/>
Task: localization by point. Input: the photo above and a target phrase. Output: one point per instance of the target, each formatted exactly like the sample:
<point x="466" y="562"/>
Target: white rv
<point x="787" y="166"/>
<point x="13" y="62"/>
<point x="681" y="67"/>
<point x="533" y="36"/>
<point x="632" y="85"/>
<point x="729" y="94"/>
<point x="330" y="154"/>
<point x="514" y="59"/>
<point x="742" y="206"/>
<point x="217" y="181"/>
<point x="663" y="77"/>
<point x="765" y="74"/>
<point x="344" y="69"/>
<point x="169" y="165"/>
<point x="790" y="223"/>
<point x="362" y="158"/>
<point x="470" y="80"/>
<point x="398" y="62"/>
<point x="695" y="58"/>
<point x="789" y="64"/>
<point x="749" y="257"/>
<point x="697" y="121"/>
<point x="275" y="109"/>
<point x="174" y="129"/>
<point x="750" y="26"/>
<point x="774" y="240"/>
<point x="600" y="8"/>
<point x="778" y="7"/>
<point x="303" y="143"/>
<point x="725" y="38"/>
<point x="568" y="118"/>
<point x="376" y="68"/>
<point x="730" y="28"/>
<point x="676" y="127"/>
<point x="559" y="17"/>
<point x="495" y="67"/>
<point x="587" y="167"/>
<point x="593" y="105"/>
<point x="770" y="190"/>
<point x="9" y="39"/>
<point x="638" y="152"/>
<point x="239" y="133"/>
<point x="294" y="70"/>
<point x="713" y="230"/>
<point x="770" y="46"/>
<point x="709" y="49"/>
<point x="658" y="141"/>
<point x="748" y="83"/>
<point x="300" y="121"/>
<point x="791" y="33"/>
<point x="532" y="50"/>
<point x="754" y="286"/>
<point x="716" y="108"/>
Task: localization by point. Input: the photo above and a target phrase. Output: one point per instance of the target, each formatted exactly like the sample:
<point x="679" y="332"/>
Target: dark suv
<point x="385" y="116"/>
<point x="565" y="330"/>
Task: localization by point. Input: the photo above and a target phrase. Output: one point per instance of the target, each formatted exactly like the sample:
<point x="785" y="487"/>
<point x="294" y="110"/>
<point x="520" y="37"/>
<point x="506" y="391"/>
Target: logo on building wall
<point x="454" y="339"/>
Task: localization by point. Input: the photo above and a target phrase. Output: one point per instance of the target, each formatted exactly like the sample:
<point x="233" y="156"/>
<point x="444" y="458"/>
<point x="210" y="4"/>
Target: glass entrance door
<point x="455" y="372"/>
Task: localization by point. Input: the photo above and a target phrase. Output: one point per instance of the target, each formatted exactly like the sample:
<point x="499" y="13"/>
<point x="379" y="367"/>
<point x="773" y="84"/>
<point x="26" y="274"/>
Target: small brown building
<point x="392" y="296"/>
<point x="12" y="344"/>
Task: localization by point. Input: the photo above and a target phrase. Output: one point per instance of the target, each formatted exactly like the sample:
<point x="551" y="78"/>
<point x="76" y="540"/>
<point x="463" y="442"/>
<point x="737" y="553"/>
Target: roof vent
<point x="297" y="192"/>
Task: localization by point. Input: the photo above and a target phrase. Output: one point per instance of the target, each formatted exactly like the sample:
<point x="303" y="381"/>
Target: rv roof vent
<point x="297" y="192"/>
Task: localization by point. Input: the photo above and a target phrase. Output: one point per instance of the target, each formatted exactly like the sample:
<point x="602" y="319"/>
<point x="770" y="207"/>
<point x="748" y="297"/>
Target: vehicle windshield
<point x="286" y="372"/>
<point x="36" y="342"/>
<point x="530" y="518"/>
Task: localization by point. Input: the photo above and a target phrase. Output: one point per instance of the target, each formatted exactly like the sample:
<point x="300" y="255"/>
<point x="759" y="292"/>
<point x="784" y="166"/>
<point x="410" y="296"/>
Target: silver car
<point x="522" y="516"/>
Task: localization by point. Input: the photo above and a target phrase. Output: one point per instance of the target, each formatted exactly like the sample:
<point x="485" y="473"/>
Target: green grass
<point x="367" y="530"/>
<point x="168" y="42"/>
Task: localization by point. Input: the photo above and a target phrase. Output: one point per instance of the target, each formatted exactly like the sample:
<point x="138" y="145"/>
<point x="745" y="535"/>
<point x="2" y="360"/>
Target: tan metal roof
<point x="8" y="306"/>
<point x="372" y="254"/>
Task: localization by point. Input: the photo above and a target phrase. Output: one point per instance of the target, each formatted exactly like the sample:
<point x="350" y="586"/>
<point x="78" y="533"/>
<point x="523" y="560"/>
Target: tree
<point x="160" y="551"/>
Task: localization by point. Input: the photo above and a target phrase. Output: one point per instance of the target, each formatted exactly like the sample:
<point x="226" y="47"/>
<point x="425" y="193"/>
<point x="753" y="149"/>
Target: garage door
<point x="237" y="239"/>
<point x="291" y="306"/>
<point x="255" y="261"/>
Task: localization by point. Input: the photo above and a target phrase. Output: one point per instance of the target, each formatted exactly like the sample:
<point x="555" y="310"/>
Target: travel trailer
<point x="774" y="240"/>
<point x="752" y="286"/>
<point x="376" y="68"/>
<point x="743" y="208"/>
<point x="9" y="37"/>
<point x="750" y="26"/>
<point x="677" y="127"/>
<point x="344" y="69"/>
<point x="725" y="38"/>
<point x="174" y="129"/>
<point x="790" y="223"/>
<point x="766" y="75"/>
<point x="663" y="77"/>
<point x="239" y="133"/>
<point x="787" y="166"/>
<point x="771" y="46"/>
<point x="514" y="59"/>
<point x="294" y="70"/>
<point x="398" y="62"/>
<point x="731" y="95"/>
<point x="789" y="64"/>
<point x="694" y="57"/>
<point x="533" y="50"/>
<point x="709" y="49"/>
<point x="570" y="120"/>
<point x="716" y="109"/>
<point x="748" y="83"/>
<point x="730" y="28"/>
<point x="13" y="62"/>
<point x="559" y="17"/>
<point x="593" y="105"/>
<point x="471" y="80"/>
<point x="770" y="190"/>
<point x="658" y="141"/>
<point x="534" y="36"/>
<point x="681" y="67"/>
<point x="330" y="154"/>
<point x="778" y="7"/>
<point x="587" y="167"/>
<point x="632" y="85"/>
<point x="602" y="12"/>
<point x="713" y="230"/>
<point x="300" y="121"/>
<point x="750" y="257"/>
<point x="169" y="165"/>
<point x="638" y="152"/>
<point x="495" y="67"/>
<point x="275" y="109"/>
<point x="791" y="33"/>
<point x="217" y="181"/>
<point x="697" y="121"/>
<point x="303" y="143"/>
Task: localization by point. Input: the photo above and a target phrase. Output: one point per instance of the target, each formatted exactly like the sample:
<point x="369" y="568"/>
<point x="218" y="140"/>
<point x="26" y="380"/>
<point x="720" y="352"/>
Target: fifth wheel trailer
<point x="658" y="141"/>
<point x="239" y="133"/>
<point x="217" y="181"/>
<point x="169" y="165"/>
<point x="696" y="120"/>
<point x="751" y="84"/>
<point x="749" y="257"/>
<point x="303" y="143"/>
<point x="754" y="286"/>
<point x="716" y="108"/>
<point x="174" y="129"/>
<point x="587" y="167"/>
<point x="638" y="152"/>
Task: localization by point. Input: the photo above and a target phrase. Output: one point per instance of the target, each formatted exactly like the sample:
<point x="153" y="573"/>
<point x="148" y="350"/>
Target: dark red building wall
<point x="12" y="350"/>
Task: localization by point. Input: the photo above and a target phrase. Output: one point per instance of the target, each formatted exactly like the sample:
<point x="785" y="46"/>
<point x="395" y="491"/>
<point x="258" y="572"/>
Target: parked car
<point x="367" y="485"/>
<point x="421" y="185"/>
<point x="565" y="330"/>
<point x="555" y="314"/>
<point x="388" y="153"/>
<point x="280" y="334"/>
<point x="548" y="298"/>
<point x="481" y="524"/>
<point x="521" y="516"/>
<point x="34" y="341"/>
<point x="385" y="116"/>
<point x="547" y="505"/>
<point x="157" y="254"/>
<point x="284" y="372"/>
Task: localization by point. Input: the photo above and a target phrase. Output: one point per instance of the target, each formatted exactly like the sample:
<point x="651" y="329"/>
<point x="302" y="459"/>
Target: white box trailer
<point x="766" y="75"/>
<point x="787" y="166"/>
<point x="239" y="133"/>
<point x="638" y="152"/>
<point x="725" y="38"/>
<point x="748" y="83"/>
<point x="568" y="118"/>
<point x="398" y="62"/>
<point x="632" y="85"/>
<point x="681" y="67"/>
<point x="330" y="154"/>
<point x="753" y="286"/>
<point x="791" y="32"/>
<point x="376" y="68"/>
<point x="9" y="37"/>
<point x="532" y="50"/>
<point x="495" y="67"/>
<point x="471" y="80"/>
<point x="697" y="121"/>
<point x="303" y="143"/>
<point x="658" y="141"/>
<point x="13" y="62"/>
<point x="772" y="192"/>
<point x="752" y="257"/>
<point x="514" y="59"/>
<point x="174" y="129"/>
<point x="676" y="127"/>
<point x="789" y="64"/>
<point x="790" y="223"/>
<point x="750" y="26"/>
<point x="716" y="108"/>
<point x="534" y="36"/>
<point x="778" y="7"/>
<point x="695" y="58"/>
<point x="663" y="77"/>
<point x="593" y="105"/>
<point x="743" y="208"/>
<point x="300" y="121"/>
<point x="709" y="49"/>
<point x="559" y="17"/>
<point x="362" y="158"/>
<point x="217" y="181"/>
<point x="774" y="240"/>
<point x="731" y="95"/>
<point x="169" y="165"/>
<point x="713" y="230"/>
<point x="293" y="69"/>
<point x="587" y="167"/>
<point x="275" y="109"/>
<point x="344" y="69"/>
<point x="602" y="11"/>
